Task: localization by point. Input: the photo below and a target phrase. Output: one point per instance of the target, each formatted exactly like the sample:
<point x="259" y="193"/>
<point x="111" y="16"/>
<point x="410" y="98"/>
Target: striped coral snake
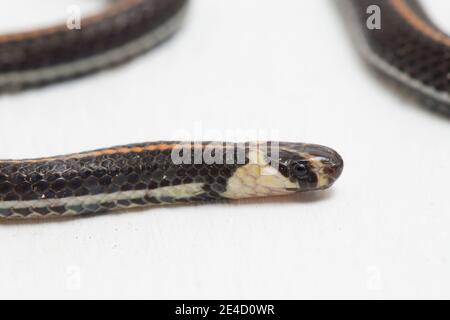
<point x="408" y="48"/>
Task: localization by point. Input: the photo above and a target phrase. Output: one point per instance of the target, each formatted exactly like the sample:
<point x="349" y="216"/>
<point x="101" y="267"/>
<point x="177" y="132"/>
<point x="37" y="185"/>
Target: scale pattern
<point x="162" y="173"/>
<point x="82" y="177"/>
<point x="409" y="48"/>
<point x="126" y="29"/>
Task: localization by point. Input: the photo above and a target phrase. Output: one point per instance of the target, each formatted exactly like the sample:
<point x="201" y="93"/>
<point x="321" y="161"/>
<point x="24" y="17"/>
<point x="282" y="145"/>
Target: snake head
<point x="278" y="168"/>
<point x="310" y="167"/>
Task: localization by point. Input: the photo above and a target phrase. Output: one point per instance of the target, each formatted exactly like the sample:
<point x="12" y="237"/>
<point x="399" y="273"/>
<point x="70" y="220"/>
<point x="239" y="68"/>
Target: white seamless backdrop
<point x="285" y="67"/>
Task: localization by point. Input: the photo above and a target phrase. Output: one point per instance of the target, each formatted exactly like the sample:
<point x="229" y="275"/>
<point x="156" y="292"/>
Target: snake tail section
<point x="407" y="46"/>
<point x="125" y="29"/>
<point x="161" y="173"/>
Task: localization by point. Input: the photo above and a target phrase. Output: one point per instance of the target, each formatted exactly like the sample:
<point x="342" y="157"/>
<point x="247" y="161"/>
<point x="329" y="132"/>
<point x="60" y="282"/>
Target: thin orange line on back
<point x="419" y="24"/>
<point x="110" y="151"/>
<point x="109" y="11"/>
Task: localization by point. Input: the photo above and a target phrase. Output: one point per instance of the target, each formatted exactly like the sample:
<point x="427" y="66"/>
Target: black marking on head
<point x="293" y="166"/>
<point x="306" y="164"/>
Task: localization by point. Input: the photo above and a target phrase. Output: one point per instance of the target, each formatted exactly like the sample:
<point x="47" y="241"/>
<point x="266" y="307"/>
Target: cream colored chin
<point x="258" y="179"/>
<point x="323" y="182"/>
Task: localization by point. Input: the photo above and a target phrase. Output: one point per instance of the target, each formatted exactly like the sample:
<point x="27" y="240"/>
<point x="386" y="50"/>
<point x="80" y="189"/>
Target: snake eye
<point x="299" y="169"/>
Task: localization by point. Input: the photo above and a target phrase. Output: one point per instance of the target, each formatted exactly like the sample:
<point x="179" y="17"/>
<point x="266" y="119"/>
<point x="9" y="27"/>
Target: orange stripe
<point x="110" y="11"/>
<point x="419" y="24"/>
<point x="110" y="151"/>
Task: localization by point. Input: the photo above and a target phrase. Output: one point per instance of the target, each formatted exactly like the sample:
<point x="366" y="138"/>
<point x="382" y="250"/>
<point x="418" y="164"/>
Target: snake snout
<point x="326" y="163"/>
<point x="335" y="166"/>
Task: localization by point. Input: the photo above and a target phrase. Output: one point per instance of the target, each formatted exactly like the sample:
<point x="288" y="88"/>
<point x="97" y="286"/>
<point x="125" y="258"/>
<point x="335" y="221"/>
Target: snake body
<point x="408" y="48"/>
<point x="124" y="30"/>
<point x="162" y="173"/>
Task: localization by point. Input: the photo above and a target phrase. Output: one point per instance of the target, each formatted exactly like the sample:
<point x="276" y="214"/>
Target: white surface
<point x="287" y="69"/>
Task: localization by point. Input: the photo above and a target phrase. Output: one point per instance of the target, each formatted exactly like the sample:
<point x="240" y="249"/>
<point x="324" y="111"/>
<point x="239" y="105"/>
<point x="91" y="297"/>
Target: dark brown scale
<point x="110" y="173"/>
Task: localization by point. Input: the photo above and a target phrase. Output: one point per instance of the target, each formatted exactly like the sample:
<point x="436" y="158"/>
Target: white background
<point x="284" y="67"/>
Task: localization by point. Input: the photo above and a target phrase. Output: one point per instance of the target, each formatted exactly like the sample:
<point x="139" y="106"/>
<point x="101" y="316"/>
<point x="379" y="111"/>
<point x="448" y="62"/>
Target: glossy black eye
<point x="299" y="169"/>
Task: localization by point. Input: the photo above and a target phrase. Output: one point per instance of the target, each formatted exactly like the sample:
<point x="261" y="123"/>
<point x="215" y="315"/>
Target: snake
<point x="406" y="47"/>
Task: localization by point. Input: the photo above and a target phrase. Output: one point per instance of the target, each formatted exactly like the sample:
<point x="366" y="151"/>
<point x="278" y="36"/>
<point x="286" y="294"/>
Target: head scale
<point x="313" y="167"/>
<point x="278" y="168"/>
